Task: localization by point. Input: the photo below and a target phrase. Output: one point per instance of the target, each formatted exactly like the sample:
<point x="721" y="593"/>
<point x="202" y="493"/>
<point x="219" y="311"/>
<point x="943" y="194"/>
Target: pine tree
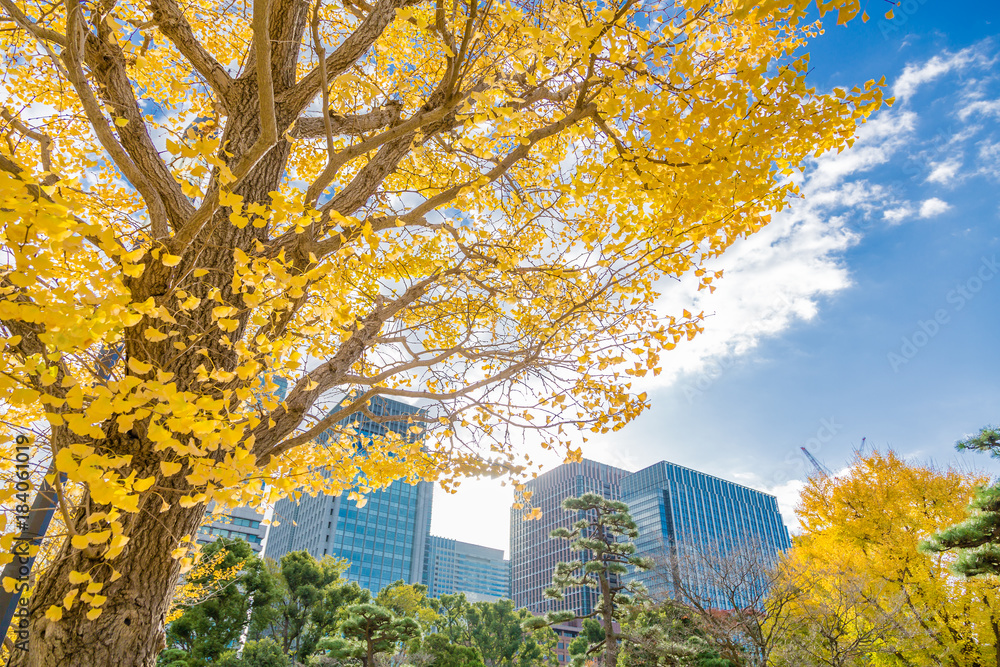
<point x="604" y="536"/>
<point x="370" y="629"/>
<point x="977" y="539"/>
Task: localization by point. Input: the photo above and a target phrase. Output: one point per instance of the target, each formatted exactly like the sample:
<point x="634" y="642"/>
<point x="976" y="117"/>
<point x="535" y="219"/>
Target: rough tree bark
<point x="130" y="630"/>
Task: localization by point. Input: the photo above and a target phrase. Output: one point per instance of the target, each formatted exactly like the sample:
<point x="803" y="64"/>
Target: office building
<point x="685" y="517"/>
<point x="533" y="554"/>
<point x="385" y="540"/>
<point x="238" y="522"/>
<point x="680" y="514"/>
<point x="451" y="566"/>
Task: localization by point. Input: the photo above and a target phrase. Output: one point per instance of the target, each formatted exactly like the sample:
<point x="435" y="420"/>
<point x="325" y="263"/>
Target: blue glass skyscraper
<point x="534" y="554"/>
<point x="452" y="566"/>
<point x="683" y="515"/>
<point x="385" y="540"/>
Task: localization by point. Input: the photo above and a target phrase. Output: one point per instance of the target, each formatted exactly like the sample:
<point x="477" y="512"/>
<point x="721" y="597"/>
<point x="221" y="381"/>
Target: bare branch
<point x="330" y="374"/>
<point x="309" y="128"/>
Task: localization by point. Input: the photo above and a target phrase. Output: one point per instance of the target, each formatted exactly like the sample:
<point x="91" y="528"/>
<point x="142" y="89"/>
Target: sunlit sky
<point x="870" y="309"/>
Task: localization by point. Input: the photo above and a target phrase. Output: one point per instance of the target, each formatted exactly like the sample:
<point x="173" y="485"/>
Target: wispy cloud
<point x="984" y="108"/>
<point x="944" y="172"/>
<point x="777" y="276"/>
<point x="916" y="75"/>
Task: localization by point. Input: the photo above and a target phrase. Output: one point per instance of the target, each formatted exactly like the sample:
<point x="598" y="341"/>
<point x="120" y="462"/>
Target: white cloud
<point x="895" y="216"/>
<point x="989" y="158"/>
<point x="777" y="276"/>
<point x="914" y="76"/>
<point x="944" y="172"/>
<point x="980" y="108"/>
<point x="877" y="140"/>
<point x="788" y="495"/>
<point x="933" y="206"/>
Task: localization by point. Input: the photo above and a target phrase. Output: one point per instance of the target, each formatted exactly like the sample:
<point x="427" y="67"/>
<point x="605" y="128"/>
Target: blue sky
<point x="870" y="310"/>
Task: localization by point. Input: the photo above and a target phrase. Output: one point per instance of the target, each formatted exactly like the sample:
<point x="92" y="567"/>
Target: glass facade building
<point x="383" y="541"/>
<point x="684" y="515"/>
<point x="451" y="566"/>
<point x="241" y="522"/>
<point x="533" y="554"/>
<point x="678" y="512"/>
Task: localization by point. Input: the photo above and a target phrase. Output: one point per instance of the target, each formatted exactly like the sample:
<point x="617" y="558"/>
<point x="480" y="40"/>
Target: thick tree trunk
<point x="130" y="630"/>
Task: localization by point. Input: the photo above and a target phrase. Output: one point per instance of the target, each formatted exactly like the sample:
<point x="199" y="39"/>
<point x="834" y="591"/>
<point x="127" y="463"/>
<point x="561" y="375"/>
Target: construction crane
<point x="820" y="468"/>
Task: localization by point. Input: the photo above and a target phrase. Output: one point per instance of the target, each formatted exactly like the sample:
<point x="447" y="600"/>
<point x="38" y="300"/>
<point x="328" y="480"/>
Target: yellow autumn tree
<point x="208" y="575"/>
<point x="468" y="204"/>
<point x="868" y="589"/>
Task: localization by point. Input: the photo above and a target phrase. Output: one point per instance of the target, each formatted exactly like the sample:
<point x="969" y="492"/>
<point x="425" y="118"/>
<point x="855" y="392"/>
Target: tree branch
<point x="330" y="374"/>
<point x="76" y="38"/>
<point x="312" y="128"/>
<point x="107" y="64"/>
<point x="294" y="100"/>
<point x="170" y="19"/>
<point x="267" y="138"/>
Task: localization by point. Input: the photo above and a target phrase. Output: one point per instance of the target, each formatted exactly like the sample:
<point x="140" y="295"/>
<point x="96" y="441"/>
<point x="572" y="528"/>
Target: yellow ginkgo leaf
<point x="153" y="335"/>
<point x="170" y="260"/>
<point x="169" y="468"/>
<point x="141" y="485"/>
<point x="78" y="577"/>
<point x="130" y="319"/>
<point x="54" y="613"/>
<point x="139" y="367"/>
<point x="93" y="614"/>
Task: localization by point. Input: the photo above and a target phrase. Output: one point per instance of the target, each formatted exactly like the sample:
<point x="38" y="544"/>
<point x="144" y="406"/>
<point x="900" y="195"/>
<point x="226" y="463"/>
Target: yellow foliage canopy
<point x="466" y="204"/>
<point x="860" y="548"/>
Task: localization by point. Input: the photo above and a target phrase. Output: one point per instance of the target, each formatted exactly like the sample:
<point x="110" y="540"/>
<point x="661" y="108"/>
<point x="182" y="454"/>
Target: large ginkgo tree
<point x="222" y="220"/>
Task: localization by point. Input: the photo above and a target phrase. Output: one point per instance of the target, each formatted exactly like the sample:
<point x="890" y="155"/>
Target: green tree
<point x="604" y="537"/>
<point x="369" y="630"/>
<point x="409" y="600"/>
<point x="453" y="617"/>
<point x="664" y="634"/>
<point x="446" y="653"/>
<point x="309" y="597"/>
<point x="263" y="653"/>
<point x="204" y="631"/>
<point x="977" y="539"/>
<point x="173" y="657"/>
<point x="497" y="630"/>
